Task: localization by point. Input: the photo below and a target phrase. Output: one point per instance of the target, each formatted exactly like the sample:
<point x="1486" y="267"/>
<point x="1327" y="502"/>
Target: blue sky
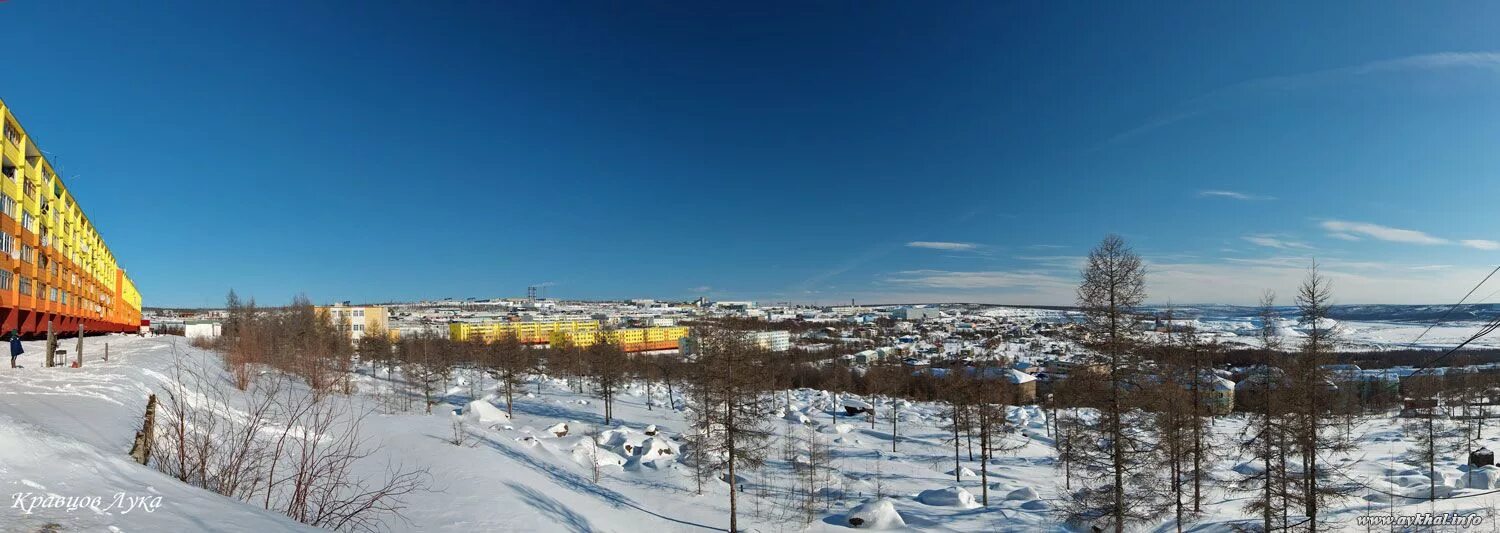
<point x="883" y="151"/>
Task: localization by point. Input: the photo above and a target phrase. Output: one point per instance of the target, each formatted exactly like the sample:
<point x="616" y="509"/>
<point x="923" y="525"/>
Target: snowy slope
<point x="66" y="432"/>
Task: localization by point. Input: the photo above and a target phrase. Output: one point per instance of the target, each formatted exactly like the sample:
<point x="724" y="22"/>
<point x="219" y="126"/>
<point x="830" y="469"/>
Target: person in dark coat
<point x="15" y="347"/>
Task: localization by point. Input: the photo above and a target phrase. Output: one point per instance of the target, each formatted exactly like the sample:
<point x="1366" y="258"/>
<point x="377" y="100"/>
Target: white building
<point x="202" y="328"/>
<point x="776" y="341"/>
<point x="916" y="313"/>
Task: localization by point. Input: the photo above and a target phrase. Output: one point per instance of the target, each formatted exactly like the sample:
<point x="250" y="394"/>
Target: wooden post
<point x="106" y="351"/>
<point x="141" y="449"/>
<point x="80" y="345"/>
<point x="51" y="345"/>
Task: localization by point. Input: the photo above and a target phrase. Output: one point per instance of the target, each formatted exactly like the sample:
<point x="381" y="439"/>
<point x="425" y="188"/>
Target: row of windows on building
<point x="29" y="255"/>
<point x="9" y="206"/>
<point x="52" y="294"/>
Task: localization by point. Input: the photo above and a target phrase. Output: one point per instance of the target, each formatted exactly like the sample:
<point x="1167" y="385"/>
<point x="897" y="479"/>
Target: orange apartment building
<point x="54" y="266"/>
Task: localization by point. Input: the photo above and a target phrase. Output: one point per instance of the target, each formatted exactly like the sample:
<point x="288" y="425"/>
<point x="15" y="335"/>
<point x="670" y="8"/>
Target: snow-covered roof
<point x="1017" y="377"/>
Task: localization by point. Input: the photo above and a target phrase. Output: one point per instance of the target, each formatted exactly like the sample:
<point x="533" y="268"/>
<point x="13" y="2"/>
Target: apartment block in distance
<point x="526" y="332"/>
<point x="357" y="319"/>
<point x="629" y="339"/>
<point x="581" y="333"/>
<point x="54" y="266"/>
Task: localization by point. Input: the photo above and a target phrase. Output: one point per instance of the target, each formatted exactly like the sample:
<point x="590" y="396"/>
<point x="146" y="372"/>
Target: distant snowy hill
<point x="1365" y="313"/>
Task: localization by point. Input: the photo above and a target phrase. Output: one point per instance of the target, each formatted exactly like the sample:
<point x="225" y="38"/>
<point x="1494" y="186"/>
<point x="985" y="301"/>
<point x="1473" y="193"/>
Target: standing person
<point x="15" y="347"/>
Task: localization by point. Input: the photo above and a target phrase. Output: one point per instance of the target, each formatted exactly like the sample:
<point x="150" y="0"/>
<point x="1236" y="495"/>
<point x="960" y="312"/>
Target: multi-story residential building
<point x="581" y="333"/>
<point x="775" y="341"/>
<point x="357" y="319"/>
<point x="629" y="339"/>
<point x="54" y="266"/>
<point x="538" y="332"/>
<point x="771" y="341"/>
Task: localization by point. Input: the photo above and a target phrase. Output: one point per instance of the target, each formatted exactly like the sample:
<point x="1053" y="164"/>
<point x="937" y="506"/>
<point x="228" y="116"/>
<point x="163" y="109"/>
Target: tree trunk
<point x="733" y="482"/>
<point x="984" y="456"/>
<point x="956" y="466"/>
<point x="1117" y="455"/>
<point x="893" y="426"/>
<point x="1197" y="436"/>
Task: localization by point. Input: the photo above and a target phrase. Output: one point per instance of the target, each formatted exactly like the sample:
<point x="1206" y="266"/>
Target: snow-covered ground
<point x="66" y="432"/>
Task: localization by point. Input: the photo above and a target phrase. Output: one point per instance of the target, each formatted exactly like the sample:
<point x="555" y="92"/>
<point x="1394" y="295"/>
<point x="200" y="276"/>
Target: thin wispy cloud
<point x="939" y="245"/>
<point x="1232" y="94"/>
<point x="1235" y="195"/>
<point x="701" y="288"/>
<point x="1346" y="229"/>
<point x="1354" y="231"/>
<point x="1271" y="241"/>
<point x="1059" y="262"/>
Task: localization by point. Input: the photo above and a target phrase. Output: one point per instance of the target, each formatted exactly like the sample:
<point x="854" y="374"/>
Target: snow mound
<point x="622" y="440"/>
<point x="1485" y="477"/>
<point x="1249" y="468"/>
<point x="483" y="413"/>
<point x="963" y="472"/>
<point x="877" y="514"/>
<point x="855" y="407"/>
<point x="588" y="454"/>
<point x="1023" y="493"/>
<point x="796" y="416"/>
<point x="1036" y="505"/>
<point x="948" y="497"/>
<point x="1410" y="480"/>
<point x="654" y="453"/>
<point x="842" y="428"/>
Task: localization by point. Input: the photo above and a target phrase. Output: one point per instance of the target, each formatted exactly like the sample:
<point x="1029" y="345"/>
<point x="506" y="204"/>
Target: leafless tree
<point x="730" y="418"/>
<point x="996" y="434"/>
<point x="1315" y="429"/>
<point x="1266" y="433"/>
<point x="607" y="369"/>
<point x="889" y="377"/>
<point x="509" y="361"/>
<point x="1430" y="432"/>
<point x="1114" y="451"/>
<point x="957" y="392"/>
<point x="294" y="450"/>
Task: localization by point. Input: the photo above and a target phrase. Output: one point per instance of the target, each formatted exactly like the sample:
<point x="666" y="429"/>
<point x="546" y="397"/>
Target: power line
<point x="1445" y="314"/>
<point x="1487" y="329"/>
